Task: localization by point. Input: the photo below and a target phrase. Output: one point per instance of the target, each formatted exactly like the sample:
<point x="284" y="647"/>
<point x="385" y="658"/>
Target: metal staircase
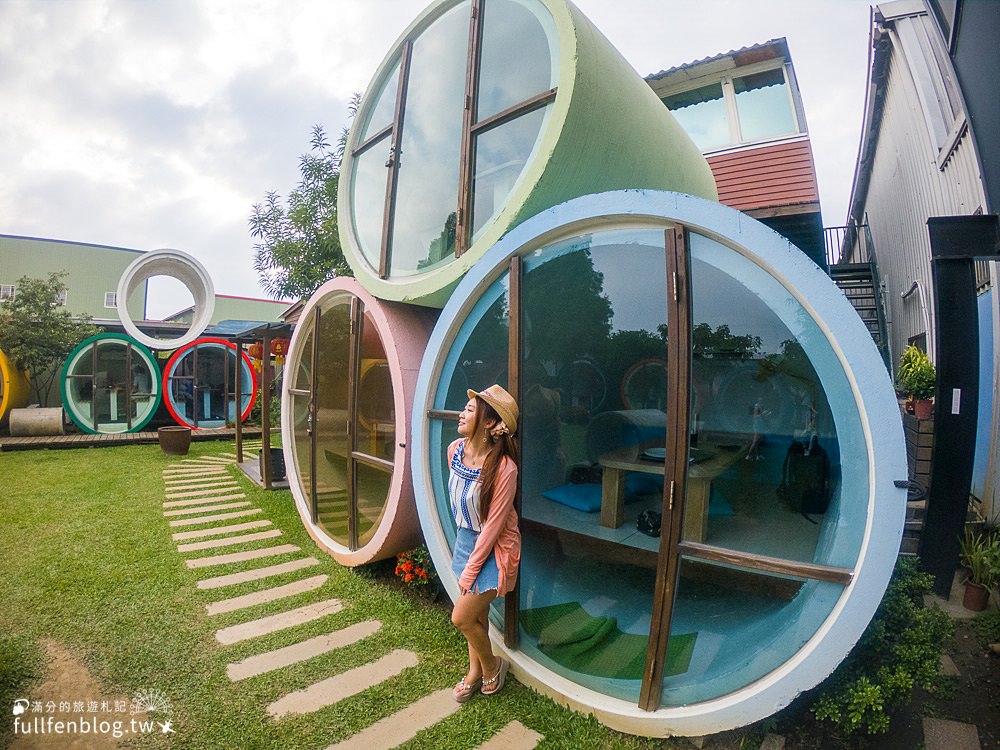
<point x="858" y="278"/>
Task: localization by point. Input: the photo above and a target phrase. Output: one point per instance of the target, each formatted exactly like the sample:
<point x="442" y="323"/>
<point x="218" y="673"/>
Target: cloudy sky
<point x="147" y="124"/>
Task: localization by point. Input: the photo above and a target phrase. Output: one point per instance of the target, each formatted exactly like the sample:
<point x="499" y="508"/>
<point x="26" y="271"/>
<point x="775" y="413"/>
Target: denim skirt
<point x="489" y="574"/>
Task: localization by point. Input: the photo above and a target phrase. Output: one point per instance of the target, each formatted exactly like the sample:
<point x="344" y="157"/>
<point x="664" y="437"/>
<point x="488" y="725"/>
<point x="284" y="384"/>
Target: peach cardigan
<point x="499" y="531"/>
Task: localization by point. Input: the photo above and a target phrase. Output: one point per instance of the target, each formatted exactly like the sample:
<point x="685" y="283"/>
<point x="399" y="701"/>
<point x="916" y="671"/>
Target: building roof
<point x="755" y="53"/>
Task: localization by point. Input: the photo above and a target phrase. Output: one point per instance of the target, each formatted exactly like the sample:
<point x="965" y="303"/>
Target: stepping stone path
<point x="194" y="489"/>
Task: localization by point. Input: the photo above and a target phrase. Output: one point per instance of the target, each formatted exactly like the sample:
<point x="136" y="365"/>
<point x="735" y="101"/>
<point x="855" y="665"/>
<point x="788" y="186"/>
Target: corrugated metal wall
<point x="907" y="187"/>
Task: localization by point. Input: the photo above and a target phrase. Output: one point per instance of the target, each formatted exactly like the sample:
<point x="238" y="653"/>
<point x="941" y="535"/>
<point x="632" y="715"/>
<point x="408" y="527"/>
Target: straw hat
<point x="502" y="402"/>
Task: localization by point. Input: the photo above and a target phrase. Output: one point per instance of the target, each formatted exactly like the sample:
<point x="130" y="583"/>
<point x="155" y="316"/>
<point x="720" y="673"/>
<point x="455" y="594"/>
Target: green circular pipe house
<point x="111" y="383"/>
<point x="457" y="140"/>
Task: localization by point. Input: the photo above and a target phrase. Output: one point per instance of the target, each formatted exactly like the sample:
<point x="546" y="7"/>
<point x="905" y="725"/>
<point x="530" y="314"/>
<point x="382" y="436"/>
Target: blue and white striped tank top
<point x="463" y="488"/>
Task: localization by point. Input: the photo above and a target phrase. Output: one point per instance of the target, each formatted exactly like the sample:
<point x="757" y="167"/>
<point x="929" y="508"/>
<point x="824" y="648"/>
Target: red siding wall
<point x="782" y="174"/>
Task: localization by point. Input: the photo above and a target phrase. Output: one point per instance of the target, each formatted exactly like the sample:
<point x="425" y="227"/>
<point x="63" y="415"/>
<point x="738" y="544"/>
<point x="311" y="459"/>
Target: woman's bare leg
<point x="471" y="617"/>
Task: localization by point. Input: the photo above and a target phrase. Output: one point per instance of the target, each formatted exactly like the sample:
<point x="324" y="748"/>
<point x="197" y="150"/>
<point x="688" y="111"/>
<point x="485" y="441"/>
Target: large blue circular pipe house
<point x="744" y="410"/>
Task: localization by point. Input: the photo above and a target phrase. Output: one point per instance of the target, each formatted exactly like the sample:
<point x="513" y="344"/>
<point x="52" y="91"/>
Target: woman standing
<point x="482" y="482"/>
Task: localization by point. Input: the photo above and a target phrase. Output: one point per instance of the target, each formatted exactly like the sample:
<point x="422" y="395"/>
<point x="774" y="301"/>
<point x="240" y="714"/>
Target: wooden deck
<point x="107" y="440"/>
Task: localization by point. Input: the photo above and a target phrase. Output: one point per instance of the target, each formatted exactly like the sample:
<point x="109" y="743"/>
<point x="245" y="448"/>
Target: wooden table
<point x="699" y="482"/>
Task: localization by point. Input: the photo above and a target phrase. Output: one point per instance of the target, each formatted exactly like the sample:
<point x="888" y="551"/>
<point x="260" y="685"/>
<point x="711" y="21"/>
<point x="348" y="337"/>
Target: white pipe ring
<point x="178" y="265"/>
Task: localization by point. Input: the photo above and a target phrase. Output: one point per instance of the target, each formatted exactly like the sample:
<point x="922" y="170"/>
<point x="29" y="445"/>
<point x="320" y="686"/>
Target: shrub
<point x="900" y="650"/>
<point x="917" y="375"/>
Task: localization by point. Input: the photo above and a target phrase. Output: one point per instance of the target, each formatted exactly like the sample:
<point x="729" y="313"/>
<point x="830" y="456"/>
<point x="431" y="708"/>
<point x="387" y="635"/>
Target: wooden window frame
<point x="471" y="129"/>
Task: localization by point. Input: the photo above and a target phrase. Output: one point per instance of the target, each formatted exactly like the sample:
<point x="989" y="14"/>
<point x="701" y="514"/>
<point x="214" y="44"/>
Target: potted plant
<point x="917" y="378"/>
<point x="980" y="555"/>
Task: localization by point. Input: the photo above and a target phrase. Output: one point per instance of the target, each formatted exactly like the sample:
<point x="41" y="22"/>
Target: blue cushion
<point x="585" y="497"/>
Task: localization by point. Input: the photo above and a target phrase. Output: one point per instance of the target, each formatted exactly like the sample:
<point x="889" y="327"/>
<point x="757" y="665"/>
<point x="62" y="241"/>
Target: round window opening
<point x="199" y="383"/>
<point x="734" y="370"/>
<point x="111" y="384"/>
<point x="347" y="395"/>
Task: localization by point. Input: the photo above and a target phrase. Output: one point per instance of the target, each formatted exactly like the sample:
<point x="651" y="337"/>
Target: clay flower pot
<point x="923" y="408"/>
<point x="976" y="597"/>
<point x="174" y="440"/>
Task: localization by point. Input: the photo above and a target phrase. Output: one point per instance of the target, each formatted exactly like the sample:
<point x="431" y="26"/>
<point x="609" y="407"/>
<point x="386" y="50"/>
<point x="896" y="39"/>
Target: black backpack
<point x="805" y="477"/>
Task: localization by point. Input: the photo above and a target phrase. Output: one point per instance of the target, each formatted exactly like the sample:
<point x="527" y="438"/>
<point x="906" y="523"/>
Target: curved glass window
<point x="111" y="384"/>
<point x="200" y="384"/>
<point x="344" y="420"/>
<point x="688" y="530"/>
<point x="730" y="443"/>
<point x="428" y="179"/>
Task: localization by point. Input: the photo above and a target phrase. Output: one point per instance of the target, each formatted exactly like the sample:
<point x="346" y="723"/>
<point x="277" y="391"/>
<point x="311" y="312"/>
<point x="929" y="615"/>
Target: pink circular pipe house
<point x="345" y="420"/>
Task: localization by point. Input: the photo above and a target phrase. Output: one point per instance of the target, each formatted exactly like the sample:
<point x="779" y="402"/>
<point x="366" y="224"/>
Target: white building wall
<point x="908" y="185"/>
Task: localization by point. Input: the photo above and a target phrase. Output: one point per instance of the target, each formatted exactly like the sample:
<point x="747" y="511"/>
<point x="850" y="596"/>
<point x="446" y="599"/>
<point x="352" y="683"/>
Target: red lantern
<point x="279" y="348"/>
<point x="256" y="353"/>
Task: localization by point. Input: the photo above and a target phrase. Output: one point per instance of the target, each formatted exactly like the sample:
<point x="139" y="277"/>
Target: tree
<point x="38" y="333"/>
<point x="299" y="247"/>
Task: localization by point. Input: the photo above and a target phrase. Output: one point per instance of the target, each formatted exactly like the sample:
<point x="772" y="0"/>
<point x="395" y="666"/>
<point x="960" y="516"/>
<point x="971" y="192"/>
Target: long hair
<point x="505" y="445"/>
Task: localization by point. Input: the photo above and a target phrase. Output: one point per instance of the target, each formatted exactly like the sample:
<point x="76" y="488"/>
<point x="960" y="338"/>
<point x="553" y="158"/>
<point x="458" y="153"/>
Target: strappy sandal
<point x="463" y="691"/>
<point x="493" y="684"/>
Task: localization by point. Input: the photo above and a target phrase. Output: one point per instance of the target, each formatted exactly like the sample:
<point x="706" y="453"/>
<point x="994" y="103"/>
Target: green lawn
<point x="89" y="562"/>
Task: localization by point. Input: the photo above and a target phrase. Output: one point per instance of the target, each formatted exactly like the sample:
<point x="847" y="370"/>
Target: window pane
<point x="477" y="359"/>
<point x="594" y="309"/>
<point x="501" y="154"/>
<point x="765" y="475"/>
<point x="764" y="106"/>
<point x="143" y="388"/>
<point x="373" y="489"/>
<point x="385" y="109"/>
<point x="331" y="420"/>
<point x="423" y="234"/>
<point x="376" y="413"/>
<point x="368" y="197"/>
<point x="507" y="79"/>
<point x="301" y="380"/>
<point x="111" y="407"/>
<point x="702" y="114"/>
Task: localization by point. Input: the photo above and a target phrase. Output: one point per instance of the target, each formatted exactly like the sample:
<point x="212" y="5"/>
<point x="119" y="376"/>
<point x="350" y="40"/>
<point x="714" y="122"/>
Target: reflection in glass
<point x="383" y="112"/>
<point x="368" y="197"/>
<point x="763" y="379"/>
<point x="376" y="412"/>
<point x="507" y="79"/>
<point x="111" y="386"/>
<point x="331" y="420"/>
<point x="372" y="491"/>
<point x="597" y="305"/>
<point x="501" y="154"/>
<point x="764" y="105"/>
<point x="702" y="114"/>
<point x="423" y="234"/>
<point x="201" y="385"/>
<point x="302" y="427"/>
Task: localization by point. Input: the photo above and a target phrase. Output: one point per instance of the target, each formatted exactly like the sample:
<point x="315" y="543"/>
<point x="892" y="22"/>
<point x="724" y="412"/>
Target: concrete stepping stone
<point x="514" y="736"/>
<point x="942" y="734"/>
<point x="186" y="468"/>
<point x="202" y="500"/>
<point x="188" y="492"/>
<point x="267" y="595"/>
<point x="193" y="472"/>
<point x="403" y="725"/>
<point x="257" y="573"/>
<point x="280" y="621"/>
<point x="333" y="689"/>
<point x="205" y="509"/>
<point x="210" y="460"/>
<point x="185" y="484"/>
<point x="283" y="657"/>
<point x="216" y="517"/>
<point x="201" y="533"/>
<point x="229" y="541"/>
<point x="232" y="557"/>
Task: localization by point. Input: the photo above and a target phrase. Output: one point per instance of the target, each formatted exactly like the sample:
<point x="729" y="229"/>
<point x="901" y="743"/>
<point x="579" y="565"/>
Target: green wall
<point x="92" y="270"/>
